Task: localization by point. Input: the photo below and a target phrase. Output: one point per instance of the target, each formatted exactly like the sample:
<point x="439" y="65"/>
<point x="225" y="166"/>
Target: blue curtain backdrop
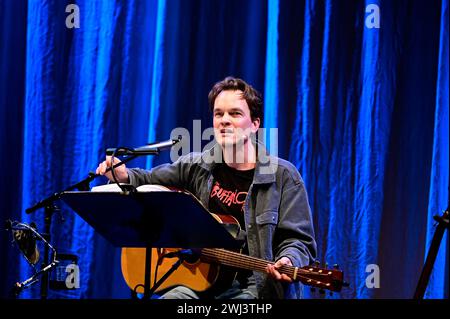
<point x="362" y="112"/>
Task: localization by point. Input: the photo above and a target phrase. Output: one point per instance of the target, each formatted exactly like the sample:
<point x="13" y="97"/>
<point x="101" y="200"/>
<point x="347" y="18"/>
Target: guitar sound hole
<point x="191" y="259"/>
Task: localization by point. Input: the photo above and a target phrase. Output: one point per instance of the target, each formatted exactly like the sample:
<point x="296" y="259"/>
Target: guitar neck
<point x="237" y="260"/>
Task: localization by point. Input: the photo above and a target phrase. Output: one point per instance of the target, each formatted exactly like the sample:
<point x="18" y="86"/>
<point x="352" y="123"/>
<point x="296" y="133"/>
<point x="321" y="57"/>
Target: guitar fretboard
<point x="234" y="259"/>
<point x="324" y="278"/>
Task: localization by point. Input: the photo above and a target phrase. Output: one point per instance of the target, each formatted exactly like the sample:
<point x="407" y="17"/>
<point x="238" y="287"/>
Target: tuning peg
<point x="326" y="265"/>
<point x="317" y="263"/>
<point x="336" y="266"/>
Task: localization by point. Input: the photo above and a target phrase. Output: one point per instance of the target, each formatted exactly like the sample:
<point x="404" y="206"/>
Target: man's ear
<point x="256" y="123"/>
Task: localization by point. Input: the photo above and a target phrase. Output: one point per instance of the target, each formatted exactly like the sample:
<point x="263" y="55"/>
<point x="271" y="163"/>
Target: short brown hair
<point x="250" y="95"/>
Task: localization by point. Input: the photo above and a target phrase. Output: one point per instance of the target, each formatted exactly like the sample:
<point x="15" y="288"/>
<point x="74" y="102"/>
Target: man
<point x="264" y="193"/>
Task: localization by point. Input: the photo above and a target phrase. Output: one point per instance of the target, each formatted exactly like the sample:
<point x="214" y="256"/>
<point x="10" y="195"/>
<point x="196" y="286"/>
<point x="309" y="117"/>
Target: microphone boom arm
<point x="152" y="149"/>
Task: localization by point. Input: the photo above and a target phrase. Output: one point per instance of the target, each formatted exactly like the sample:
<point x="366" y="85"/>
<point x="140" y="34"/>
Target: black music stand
<point x="160" y="219"/>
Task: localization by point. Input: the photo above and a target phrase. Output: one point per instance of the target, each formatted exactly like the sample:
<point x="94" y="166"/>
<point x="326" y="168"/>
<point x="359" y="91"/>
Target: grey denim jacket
<point x="277" y="215"/>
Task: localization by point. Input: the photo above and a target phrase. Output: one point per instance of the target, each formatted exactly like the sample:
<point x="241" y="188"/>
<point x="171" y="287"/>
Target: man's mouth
<point x="226" y="131"/>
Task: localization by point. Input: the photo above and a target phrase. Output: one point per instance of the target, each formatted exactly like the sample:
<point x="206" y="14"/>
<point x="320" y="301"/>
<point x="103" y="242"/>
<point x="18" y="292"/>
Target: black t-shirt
<point x="228" y="196"/>
<point x="229" y="191"/>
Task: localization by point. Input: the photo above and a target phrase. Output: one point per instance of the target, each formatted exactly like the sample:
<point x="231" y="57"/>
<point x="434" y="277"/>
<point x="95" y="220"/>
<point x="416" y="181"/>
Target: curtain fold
<point x="13" y="35"/>
<point x="79" y="101"/>
<point x="439" y="183"/>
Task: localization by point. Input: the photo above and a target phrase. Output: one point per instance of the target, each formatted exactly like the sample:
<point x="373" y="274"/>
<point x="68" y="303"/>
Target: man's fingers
<point x="120" y="171"/>
<point x="101" y="169"/>
<point x="286" y="278"/>
<point x="108" y="160"/>
<point x="283" y="261"/>
<point x="272" y="271"/>
<point x="98" y="171"/>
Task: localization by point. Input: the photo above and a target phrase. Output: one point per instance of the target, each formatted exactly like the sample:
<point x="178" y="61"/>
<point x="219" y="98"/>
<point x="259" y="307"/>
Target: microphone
<point x="146" y="149"/>
<point x="26" y="241"/>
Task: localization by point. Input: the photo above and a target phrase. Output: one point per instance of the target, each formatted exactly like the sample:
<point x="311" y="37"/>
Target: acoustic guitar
<point x="207" y="267"/>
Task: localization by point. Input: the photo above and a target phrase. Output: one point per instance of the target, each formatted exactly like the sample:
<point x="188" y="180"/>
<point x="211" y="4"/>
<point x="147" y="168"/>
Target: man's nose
<point x="225" y="119"/>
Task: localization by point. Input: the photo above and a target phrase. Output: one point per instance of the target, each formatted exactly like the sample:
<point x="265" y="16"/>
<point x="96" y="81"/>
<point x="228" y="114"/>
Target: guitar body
<point x="193" y="273"/>
<point x="196" y="275"/>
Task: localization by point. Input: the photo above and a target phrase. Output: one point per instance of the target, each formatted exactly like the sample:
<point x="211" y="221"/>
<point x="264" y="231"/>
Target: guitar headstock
<point x="324" y="278"/>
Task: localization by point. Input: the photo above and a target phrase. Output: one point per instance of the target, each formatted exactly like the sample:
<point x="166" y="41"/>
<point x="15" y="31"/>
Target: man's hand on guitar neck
<point x="272" y="269"/>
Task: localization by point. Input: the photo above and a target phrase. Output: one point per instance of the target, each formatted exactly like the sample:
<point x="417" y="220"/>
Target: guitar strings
<point x="239" y="260"/>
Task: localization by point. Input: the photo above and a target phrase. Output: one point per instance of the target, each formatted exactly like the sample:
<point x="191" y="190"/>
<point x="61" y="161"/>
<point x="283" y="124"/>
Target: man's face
<point x="231" y="119"/>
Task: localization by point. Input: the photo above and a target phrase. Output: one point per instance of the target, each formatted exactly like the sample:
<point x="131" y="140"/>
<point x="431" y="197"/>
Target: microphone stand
<point x="432" y="254"/>
<point x="182" y="255"/>
<point x="443" y="224"/>
<point x="84" y="185"/>
<point x="18" y="287"/>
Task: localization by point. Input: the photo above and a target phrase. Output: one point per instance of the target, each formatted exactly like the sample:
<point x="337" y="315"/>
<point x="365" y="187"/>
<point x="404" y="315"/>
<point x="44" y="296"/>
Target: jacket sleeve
<point x="175" y="174"/>
<point x="294" y="236"/>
